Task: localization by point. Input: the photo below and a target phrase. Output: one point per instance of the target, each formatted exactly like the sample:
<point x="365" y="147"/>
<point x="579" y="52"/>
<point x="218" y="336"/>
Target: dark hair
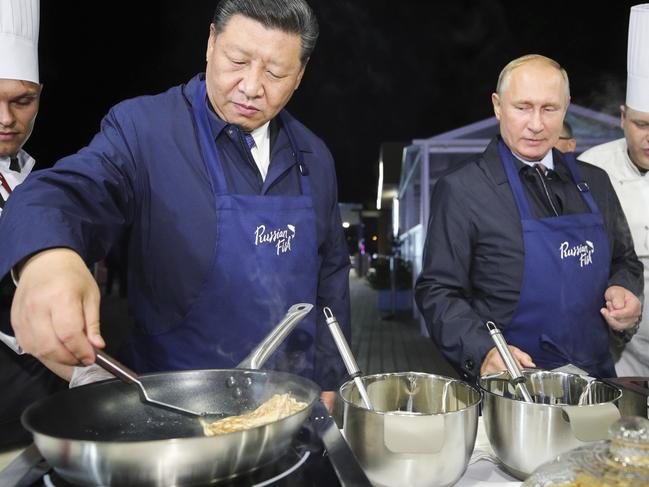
<point x="292" y="16"/>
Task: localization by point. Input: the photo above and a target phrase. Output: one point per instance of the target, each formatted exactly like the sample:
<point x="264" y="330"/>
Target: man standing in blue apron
<point x="528" y="238"/>
<point x="230" y="205"/>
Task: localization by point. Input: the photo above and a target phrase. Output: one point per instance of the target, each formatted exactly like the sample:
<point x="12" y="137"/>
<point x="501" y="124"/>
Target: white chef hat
<point x="637" y="64"/>
<point x="19" y="20"/>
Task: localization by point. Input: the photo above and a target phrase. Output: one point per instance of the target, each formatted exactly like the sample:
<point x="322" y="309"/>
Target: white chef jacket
<point x="632" y="188"/>
<point x="14" y="178"/>
<point x="81" y="375"/>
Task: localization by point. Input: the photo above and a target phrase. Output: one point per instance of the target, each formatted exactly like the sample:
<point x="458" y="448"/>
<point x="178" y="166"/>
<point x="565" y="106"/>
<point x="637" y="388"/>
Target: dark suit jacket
<point x="473" y="257"/>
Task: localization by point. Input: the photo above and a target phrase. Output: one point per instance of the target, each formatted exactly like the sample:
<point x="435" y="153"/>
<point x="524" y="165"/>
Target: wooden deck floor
<point x="391" y="344"/>
<point x="379" y="344"/>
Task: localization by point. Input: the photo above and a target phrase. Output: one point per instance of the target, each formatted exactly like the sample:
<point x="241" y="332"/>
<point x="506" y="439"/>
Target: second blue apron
<point x="567" y="259"/>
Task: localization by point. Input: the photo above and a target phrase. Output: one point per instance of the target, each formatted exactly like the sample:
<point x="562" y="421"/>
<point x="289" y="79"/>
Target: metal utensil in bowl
<point x="346" y="354"/>
<point x="102" y="434"/>
<point x="515" y="373"/>
<point x="569" y="411"/>
<point x="421" y="432"/>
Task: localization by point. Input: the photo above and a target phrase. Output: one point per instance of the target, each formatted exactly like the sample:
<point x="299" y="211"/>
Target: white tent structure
<point x="425" y="159"/>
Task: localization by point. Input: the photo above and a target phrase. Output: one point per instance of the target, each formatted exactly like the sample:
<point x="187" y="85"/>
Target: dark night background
<point x="382" y="70"/>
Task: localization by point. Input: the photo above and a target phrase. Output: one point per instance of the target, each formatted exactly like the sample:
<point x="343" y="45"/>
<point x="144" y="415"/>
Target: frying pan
<point x="102" y="434"/>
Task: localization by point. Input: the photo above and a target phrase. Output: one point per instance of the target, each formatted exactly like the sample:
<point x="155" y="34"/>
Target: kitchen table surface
<point x="482" y="470"/>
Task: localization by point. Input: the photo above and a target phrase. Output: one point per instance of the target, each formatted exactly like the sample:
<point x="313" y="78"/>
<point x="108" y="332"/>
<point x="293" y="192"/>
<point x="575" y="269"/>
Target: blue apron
<point x="567" y="259"/>
<point x="265" y="260"/>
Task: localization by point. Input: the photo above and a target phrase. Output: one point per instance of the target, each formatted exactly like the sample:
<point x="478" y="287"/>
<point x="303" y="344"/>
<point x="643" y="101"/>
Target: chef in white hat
<point x="19" y="89"/>
<point x="627" y="161"/>
<point x="23" y="379"/>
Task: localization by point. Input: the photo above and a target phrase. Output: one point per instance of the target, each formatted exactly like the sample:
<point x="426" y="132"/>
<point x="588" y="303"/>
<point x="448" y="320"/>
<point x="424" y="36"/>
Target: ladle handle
<point x="115" y="367"/>
<point x="341" y="343"/>
<point x="514" y="370"/>
<point x="346" y="354"/>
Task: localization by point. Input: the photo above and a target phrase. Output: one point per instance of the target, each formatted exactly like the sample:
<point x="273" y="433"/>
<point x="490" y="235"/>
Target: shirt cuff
<point x="12" y="343"/>
<point x="626" y="335"/>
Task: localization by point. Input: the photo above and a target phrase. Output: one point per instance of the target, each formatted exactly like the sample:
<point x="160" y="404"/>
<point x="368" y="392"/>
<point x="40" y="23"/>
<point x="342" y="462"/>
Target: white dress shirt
<point x="14" y="178"/>
<point x="261" y="150"/>
<point x="547" y="161"/>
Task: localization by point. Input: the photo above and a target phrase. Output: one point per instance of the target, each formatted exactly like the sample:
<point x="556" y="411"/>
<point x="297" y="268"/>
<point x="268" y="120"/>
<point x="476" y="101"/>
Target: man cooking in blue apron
<point x="229" y="202"/>
<point x="526" y="237"/>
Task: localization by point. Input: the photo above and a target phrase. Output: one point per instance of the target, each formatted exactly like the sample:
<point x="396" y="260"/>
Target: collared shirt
<point x="14" y="178"/>
<point x="261" y="150"/>
<point x="247" y="178"/>
<point x="561" y="190"/>
<point x="547" y="160"/>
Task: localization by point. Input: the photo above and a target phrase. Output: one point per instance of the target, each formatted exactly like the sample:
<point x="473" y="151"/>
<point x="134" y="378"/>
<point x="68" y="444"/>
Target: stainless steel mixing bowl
<point x="569" y="411"/>
<point x="420" y="433"/>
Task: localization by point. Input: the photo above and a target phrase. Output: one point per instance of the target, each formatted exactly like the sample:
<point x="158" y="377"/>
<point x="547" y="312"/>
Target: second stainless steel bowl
<point x="569" y="411"/>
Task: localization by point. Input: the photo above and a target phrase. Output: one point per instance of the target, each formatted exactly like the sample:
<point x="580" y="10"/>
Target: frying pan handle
<point x="116" y="368"/>
<point x="274" y="339"/>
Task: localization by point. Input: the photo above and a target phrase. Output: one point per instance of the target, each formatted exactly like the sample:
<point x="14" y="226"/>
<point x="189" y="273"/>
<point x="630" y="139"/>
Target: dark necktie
<point x="249" y="140"/>
<point x="6" y="187"/>
<point x="5" y="184"/>
<point x="14" y="165"/>
<point x="541" y="172"/>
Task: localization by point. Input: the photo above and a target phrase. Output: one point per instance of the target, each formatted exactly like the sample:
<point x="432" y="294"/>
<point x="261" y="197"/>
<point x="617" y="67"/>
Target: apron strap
<point x="582" y="186"/>
<point x="299" y="158"/>
<point x="207" y="145"/>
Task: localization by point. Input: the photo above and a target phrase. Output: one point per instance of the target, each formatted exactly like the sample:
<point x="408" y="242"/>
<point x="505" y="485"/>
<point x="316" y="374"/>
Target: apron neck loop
<point x="210" y="152"/>
<point x="517" y="186"/>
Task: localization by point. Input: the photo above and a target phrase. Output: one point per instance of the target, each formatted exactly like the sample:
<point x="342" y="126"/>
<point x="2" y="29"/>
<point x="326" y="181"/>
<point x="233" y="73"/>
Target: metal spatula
<point x="126" y="375"/>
